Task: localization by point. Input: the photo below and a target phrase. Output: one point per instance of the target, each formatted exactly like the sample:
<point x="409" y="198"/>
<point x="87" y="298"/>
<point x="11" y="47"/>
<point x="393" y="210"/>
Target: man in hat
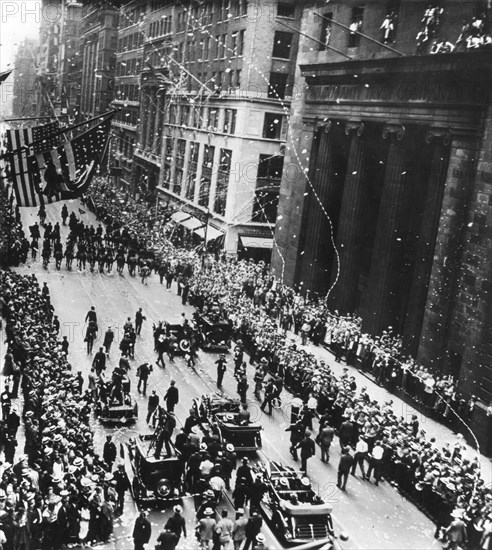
<point x="143" y="373"/>
<point x="176" y="523"/>
<point x="239" y="529"/>
<point x="91" y="316"/>
<point x="122" y="485"/>
<point x="109" y="452"/>
<point x="456" y="532"/>
<point x="261" y="542"/>
<point x="164" y="438"/>
<point x="221" y="368"/>
<point x="224" y="530"/>
<point x="344" y="466"/>
<point x="108" y="339"/>
<point x="142" y="531"/>
<point x="99" y="361"/>
<point x="206" y="529"/>
<point x="167" y="540"/>
<point x="152" y="405"/>
<point x="171" y="397"/>
<point x="308" y="450"/>
<point x="5" y="402"/>
<point x="252" y="530"/>
<point x="139" y="319"/>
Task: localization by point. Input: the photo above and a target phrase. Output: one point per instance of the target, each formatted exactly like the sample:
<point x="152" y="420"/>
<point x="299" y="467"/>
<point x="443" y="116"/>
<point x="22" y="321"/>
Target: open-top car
<point x="223" y="416"/>
<point x="294" y="511"/>
<point x="153" y="479"/>
<point x="117" y="412"/>
<point x="180" y="337"/>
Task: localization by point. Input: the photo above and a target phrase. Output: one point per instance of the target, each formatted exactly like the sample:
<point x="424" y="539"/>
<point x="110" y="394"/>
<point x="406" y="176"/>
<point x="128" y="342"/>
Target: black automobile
<point x="295" y="513"/>
<point x="153" y="479"/>
<point x="180" y="337"/>
<point x="215" y="334"/>
<point x="117" y="413"/>
<point x="221" y="416"/>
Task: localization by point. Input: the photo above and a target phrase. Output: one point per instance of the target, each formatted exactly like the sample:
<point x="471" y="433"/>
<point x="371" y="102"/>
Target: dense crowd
<point x="59" y="490"/>
<point x="14" y="247"/>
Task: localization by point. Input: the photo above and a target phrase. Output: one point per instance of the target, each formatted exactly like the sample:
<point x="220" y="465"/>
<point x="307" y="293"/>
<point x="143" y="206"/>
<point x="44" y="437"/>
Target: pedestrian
<point x="360" y="456"/>
<point x="344" y="466"/>
<point x="171" y="397"/>
<point x="205" y="529"/>
<point x="122" y="484"/>
<point x="99" y="361"/>
<point x="162" y="348"/>
<point x="90" y="335"/>
<point x="93" y="383"/>
<point x="109" y="452"/>
<point x="80" y="381"/>
<point x="5" y="402"/>
<point x="176" y="523"/>
<point x="141" y="531"/>
<point x="167" y="540"/>
<point x="108" y="339"/>
<point x="376" y="462"/>
<point x="296" y="430"/>
<point x="221" y="368"/>
<point x="456" y="533"/>
<point x="145" y="272"/>
<point x="308" y="450"/>
<point x="326" y="435"/>
<point x="139" y="319"/>
<point x="167" y="428"/>
<point x="268" y="397"/>
<point x="65" y="345"/>
<point x="239" y="529"/>
<point x="143" y="373"/>
<point x="152" y="405"/>
<point x="91" y="316"/>
<point x="253" y="528"/>
<point x="224" y="530"/>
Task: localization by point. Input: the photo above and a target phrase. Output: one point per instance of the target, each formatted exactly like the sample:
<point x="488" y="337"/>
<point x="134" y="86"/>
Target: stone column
<point x="317" y="247"/>
<point x="348" y="239"/>
<point x="439" y="139"/>
<point x="448" y="250"/>
<point x="379" y="302"/>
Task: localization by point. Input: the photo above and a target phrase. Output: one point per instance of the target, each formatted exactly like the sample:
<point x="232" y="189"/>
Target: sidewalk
<point x="441" y="433"/>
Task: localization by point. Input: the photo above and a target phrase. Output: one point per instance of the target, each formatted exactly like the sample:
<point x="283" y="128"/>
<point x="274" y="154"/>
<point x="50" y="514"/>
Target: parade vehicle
<point x="221" y="416"/>
<point x="214" y="335"/>
<point x="114" y="412"/>
<point x="295" y="513"/>
<point x="152" y="479"/>
<point x="179" y="337"/>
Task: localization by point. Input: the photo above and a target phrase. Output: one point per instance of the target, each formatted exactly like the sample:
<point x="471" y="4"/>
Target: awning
<point x="256" y="242"/>
<point x="191" y="223"/>
<point x="180" y="216"/>
<point x="212" y="233"/>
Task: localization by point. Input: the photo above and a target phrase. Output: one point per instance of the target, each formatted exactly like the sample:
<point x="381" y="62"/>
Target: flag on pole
<point x="67" y="170"/>
<point x="4" y="76"/>
<point x="16" y="141"/>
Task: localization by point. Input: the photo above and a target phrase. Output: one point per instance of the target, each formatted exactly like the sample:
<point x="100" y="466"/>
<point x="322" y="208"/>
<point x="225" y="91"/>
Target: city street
<point x="373" y="517"/>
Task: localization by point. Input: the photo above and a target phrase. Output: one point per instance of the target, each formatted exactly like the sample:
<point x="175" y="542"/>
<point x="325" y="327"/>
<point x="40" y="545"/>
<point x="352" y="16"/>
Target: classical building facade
<point x="392" y="216"/>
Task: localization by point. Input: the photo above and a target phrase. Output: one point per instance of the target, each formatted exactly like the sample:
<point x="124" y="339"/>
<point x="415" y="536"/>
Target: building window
<point x="192" y="170"/>
<point x="267" y="188"/>
<point x="223" y="175"/>
<point x="277" y="86"/>
<point x="286" y="9"/>
<point x="172" y="114"/>
<point x="234" y="44"/>
<point x="223" y="46"/>
<point x="185" y="115"/>
<point x="326" y="26"/>
<point x="281" y="44"/>
<point x="243" y="7"/>
<point x="270" y="169"/>
<point x="240" y="45"/>
<point x="229" y="121"/>
<point x="217" y="46"/>
<point x="213" y="119"/>
<point x="355" y="27"/>
<point x="206" y="179"/>
<point x="237" y="79"/>
<point x="272" y="127"/>
<point x="179" y="164"/>
<point x="205" y="48"/>
<point x="168" y="161"/>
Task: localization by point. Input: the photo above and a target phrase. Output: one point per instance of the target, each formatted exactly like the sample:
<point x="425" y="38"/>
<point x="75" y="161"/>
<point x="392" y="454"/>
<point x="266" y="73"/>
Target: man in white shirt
<point x="375" y="463"/>
<point x="361" y="450"/>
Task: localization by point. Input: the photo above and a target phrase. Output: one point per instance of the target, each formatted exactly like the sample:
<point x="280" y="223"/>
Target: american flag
<point x="65" y="172"/>
<point x="16" y="141"/>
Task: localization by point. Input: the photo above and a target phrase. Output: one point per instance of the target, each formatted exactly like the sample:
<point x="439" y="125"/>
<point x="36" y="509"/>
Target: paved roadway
<point x="373" y="517"/>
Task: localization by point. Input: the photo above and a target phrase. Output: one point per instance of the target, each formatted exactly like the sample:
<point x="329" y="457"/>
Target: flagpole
<point x="59" y="132"/>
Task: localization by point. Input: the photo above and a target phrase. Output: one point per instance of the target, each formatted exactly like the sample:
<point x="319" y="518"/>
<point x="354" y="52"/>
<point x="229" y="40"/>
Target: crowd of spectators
<point x="58" y="490"/>
<point x="14" y="246"/>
